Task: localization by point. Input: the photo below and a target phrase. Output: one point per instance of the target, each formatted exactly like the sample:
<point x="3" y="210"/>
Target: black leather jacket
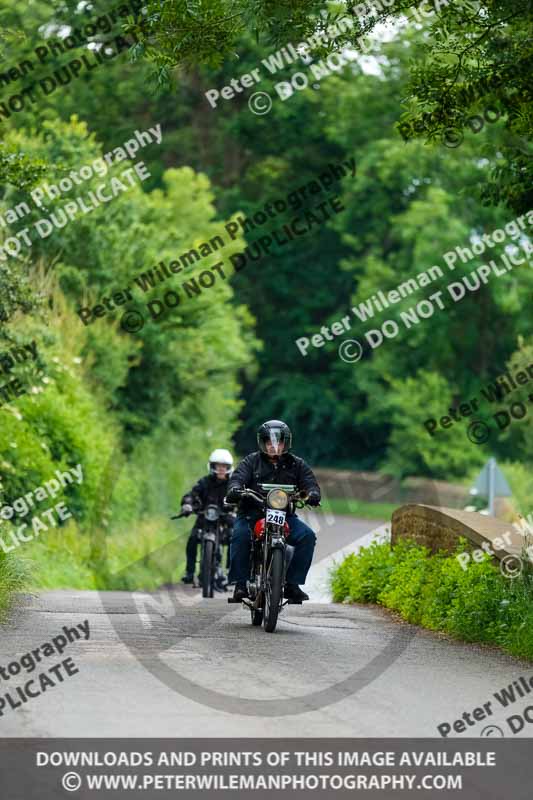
<point x="257" y="468"/>
<point x="208" y="489"/>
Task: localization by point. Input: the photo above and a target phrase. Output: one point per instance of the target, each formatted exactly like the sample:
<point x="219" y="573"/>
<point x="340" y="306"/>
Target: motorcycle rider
<point x="211" y="489"/>
<point x="272" y="463"/>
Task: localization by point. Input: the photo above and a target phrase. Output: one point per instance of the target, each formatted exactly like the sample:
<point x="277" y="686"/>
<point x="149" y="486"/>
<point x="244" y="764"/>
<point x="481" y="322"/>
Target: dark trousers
<point x="191" y="552"/>
<point x="302" y="538"/>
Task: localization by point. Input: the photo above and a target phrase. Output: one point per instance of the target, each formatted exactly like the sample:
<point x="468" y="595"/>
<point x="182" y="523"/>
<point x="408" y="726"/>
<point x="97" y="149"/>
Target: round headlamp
<point x="277" y="499"/>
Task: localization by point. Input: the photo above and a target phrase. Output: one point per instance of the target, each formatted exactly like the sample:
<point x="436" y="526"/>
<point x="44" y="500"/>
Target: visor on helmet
<point x="274" y="440"/>
<point x="220" y="470"/>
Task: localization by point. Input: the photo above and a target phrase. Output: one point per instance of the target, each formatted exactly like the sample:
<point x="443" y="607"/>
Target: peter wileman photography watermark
<point x="17" y="696"/>
<point x="498" y="389"/>
<point x="453" y="137"/>
<point x="254" y="767"/>
<point x="82" y="204"/>
<point x="511" y="565"/>
<point x="97" y="53"/>
<point x="479" y="431"/>
<point x="426" y="308"/>
<point x="509" y="695"/>
<point x="165" y="616"/>
<point x="8" y="360"/>
<point x="20" y="507"/>
<point x="338" y="59"/>
<point x="260" y="103"/>
<point x="133" y="320"/>
<point x="516" y="231"/>
<point x="464" y="96"/>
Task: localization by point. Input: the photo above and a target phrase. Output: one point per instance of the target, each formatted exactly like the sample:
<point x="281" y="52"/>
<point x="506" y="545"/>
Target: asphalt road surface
<point x="172" y="664"/>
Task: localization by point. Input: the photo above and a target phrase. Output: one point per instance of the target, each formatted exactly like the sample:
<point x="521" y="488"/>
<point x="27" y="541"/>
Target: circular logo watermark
<point x="260" y="103"/>
<point x="492" y="730"/>
<point x="71" y="781"/>
<point x="157" y="622"/>
<point x="478" y="432"/>
<point x="132" y="321"/>
<point x="452" y="137"/>
<point x="350" y="351"/>
<point x="511" y="566"/>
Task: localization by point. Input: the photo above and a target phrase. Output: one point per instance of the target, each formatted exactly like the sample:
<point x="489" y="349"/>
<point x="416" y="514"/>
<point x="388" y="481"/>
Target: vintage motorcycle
<point x="269" y="553"/>
<point x="213" y="532"/>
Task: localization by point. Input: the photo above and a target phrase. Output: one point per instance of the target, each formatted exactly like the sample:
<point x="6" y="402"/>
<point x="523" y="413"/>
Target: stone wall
<point x="440" y="529"/>
<point x="374" y="487"/>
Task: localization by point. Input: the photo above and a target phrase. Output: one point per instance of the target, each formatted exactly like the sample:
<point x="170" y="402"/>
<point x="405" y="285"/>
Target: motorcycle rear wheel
<point x="273" y="591"/>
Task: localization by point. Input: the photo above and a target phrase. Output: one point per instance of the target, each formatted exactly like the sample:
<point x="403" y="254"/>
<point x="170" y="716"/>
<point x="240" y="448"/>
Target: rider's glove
<point x="186" y="509"/>
<point x="234" y="495"/>
<point x="313" y="498"/>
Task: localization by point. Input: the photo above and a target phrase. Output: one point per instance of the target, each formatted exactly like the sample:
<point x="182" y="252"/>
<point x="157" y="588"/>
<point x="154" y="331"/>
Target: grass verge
<point x="476" y="605"/>
<point x="13" y="577"/>
<point x="358" y="508"/>
<point x="141" y="557"/>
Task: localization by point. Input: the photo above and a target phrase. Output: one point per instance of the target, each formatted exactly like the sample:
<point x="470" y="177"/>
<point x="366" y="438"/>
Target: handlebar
<point x="253" y="495"/>
<point x="181" y="515"/>
<point x="297" y="498"/>
<point x="228" y="510"/>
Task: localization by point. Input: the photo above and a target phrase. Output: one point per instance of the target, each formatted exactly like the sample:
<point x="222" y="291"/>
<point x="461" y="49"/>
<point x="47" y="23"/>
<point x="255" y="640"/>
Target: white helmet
<point x="220" y="456"/>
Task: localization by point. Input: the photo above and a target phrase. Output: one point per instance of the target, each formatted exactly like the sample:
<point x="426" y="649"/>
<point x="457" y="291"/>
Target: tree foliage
<point x="167" y="394"/>
<point x="472" y="56"/>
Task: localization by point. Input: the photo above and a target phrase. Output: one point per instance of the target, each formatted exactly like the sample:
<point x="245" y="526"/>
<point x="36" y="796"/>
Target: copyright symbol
<point x="452" y="137"/>
<point x="260" y="103"/>
<point x="478" y="432"/>
<point x="350" y="351"/>
<point x="132" y="321"/>
<point x="511" y="566"/>
<point x="71" y="781"/>
<point x="492" y="730"/>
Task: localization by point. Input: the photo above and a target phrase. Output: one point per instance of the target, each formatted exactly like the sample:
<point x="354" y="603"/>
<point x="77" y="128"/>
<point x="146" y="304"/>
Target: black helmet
<point x="274" y="432"/>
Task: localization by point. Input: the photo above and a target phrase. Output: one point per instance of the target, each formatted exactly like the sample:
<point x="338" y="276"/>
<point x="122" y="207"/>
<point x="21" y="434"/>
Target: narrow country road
<point x="173" y="664"/>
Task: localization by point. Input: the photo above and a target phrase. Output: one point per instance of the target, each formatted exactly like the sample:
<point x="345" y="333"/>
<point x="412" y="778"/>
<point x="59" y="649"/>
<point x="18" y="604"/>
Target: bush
<point x="139" y="413"/>
<point x="360" y="577"/>
<point x="478" y="604"/>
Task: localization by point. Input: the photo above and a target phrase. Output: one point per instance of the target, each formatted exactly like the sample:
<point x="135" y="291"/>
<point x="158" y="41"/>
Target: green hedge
<point x="13" y="577"/>
<point x="478" y="604"/>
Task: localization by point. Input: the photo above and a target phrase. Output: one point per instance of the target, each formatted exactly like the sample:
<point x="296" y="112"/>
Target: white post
<point x="492" y="470"/>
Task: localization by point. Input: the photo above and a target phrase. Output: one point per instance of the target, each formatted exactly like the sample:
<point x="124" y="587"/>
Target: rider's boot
<point x="221" y="582"/>
<point x="188" y="578"/>
<point x="293" y="593"/>
<point x="241" y="591"/>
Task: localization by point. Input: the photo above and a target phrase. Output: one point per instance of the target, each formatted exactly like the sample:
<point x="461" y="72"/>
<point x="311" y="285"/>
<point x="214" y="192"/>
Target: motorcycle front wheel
<point x="273" y="591"/>
<point x="208" y="563"/>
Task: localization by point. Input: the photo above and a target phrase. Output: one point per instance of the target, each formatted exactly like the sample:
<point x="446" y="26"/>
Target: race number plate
<point x="277" y="517"/>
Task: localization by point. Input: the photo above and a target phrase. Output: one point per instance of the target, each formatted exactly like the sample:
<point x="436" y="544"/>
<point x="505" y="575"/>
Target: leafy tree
<point x="409" y="204"/>
<point x="175" y="382"/>
<point x="515" y="408"/>
<point x="473" y="55"/>
<point x="412" y="449"/>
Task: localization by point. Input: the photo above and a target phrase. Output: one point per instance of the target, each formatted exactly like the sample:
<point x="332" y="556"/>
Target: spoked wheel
<point x="208" y="576"/>
<point x="273" y="591"/>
